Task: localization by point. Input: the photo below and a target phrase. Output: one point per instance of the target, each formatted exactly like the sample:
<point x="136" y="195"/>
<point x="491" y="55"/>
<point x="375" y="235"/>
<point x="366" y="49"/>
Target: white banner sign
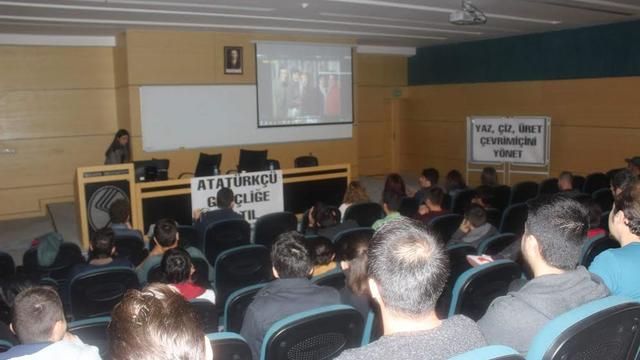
<point x="518" y="140"/>
<point x="256" y="193"/>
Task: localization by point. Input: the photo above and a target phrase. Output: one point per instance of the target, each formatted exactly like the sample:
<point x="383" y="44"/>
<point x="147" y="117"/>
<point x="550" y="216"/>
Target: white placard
<point x="516" y="140"/>
<point x="256" y="193"/>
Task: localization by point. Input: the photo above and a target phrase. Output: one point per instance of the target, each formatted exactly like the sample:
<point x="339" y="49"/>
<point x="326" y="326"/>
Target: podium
<point x="96" y="188"/>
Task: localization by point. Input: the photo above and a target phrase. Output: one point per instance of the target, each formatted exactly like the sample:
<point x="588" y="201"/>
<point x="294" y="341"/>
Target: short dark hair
<point x="622" y="178"/>
<point x="486" y="194"/>
<point x="628" y="201"/>
<point x="224" y="198"/>
<point x="166" y="232"/>
<point x="392" y="199"/>
<point x="489" y="176"/>
<point x="14" y="285"/>
<point x="476" y="215"/>
<point x="102" y="243"/>
<point x="155" y="323"/>
<point x="325" y="216"/>
<point x="322" y="250"/>
<point x="35" y="313"/>
<point x="408" y="265"/>
<point x="290" y="256"/>
<point x="559" y="224"/>
<point x="432" y="175"/>
<point x="395" y="183"/>
<point x="454" y="180"/>
<point x="176" y="266"/>
<point x="119" y="211"/>
<point x="435" y="195"/>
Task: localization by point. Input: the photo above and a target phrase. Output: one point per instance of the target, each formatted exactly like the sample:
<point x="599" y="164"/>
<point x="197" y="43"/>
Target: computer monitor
<point x="151" y="170"/>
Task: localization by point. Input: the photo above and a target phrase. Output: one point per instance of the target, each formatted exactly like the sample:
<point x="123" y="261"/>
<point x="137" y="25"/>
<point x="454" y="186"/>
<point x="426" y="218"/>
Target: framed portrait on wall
<point x="233" y="60"/>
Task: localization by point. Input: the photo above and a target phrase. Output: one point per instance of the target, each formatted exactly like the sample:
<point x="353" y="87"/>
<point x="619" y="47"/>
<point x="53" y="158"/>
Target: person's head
<point x="156" y="323"/>
<point x="407" y="269"/>
<point x="322" y="251"/>
<point x="484" y="196"/>
<point x="633" y="164"/>
<point x="356" y="193"/>
<point x="225" y="198"/>
<point x="290" y="256"/>
<point x="325" y="216"/>
<point x="395" y="183"/>
<point x="38" y="316"/>
<point x="489" y="176"/>
<point x="624" y="219"/>
<point x="391" y="201"/>
<point x="122" y="137"/>
<point x="476" y="215"/>
<point x="283" y="75"/>
<point x="620" y="179"/>
<point x="429" y="177"/>
<point x="454" y="181"/>
<point x="353" y="261"/>
<point x="565" y="181"/>
<point x="555" y="231"/>
<point x="434" y="198"/>
<point x="165" y="234"/>
<point x="102" y="245"/>
<point x="14" y="285"/>
<point x="120" y="212"/>
<point x="176" y="266"/>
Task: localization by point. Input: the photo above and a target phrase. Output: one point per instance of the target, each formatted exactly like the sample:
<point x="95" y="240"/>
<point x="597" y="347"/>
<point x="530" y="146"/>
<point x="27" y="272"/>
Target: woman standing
<point x="119" y="150"/>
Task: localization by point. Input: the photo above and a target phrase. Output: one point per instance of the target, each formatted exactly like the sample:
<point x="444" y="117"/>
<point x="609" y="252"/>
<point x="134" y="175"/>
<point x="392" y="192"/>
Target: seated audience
<point x="225" y="203"/>
<point x="39" y="323"/>
<point x="565" y="182"/>
<point x="120" y="216"/>
<point x="619" y="267"/>
<point x="428" y="178"/>
<point x="395" y="183"/>
<point x="474" y="227"/>
<point x="489" y="177"/>
<point x="11" y="287"/>
<point x="355" y="194"/>
<point x="407" y="272"/>
<point x="454" y="183"/>
<point x="620" y="180"/>
<point x="177" y="270"/>
<point x="290" y="293"/>
<point x="595" y="212"/>
<point x="101" y="254"/>
<point x="323" y="255"/>
<point x="324" y="220"/>
<point x="485" y="197"/>
<point x="432" y="206"/>
<point x="633" y="164"/>
<point x="156" y="323"/>
<point x="391" y="202"/>
<point x="353" y="261"/>
<point x="555" y="231"/>
<point x="165" y="237"/>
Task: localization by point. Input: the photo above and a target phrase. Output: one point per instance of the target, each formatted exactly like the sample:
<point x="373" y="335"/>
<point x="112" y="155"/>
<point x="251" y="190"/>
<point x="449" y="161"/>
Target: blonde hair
<point x="356" y="193"/>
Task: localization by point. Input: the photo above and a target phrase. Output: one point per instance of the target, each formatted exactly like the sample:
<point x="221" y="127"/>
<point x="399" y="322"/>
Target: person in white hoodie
<point x="39" y="323"/>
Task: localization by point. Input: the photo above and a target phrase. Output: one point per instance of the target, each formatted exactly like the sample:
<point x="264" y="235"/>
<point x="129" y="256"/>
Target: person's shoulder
<point x="68" y="349"/>
<point x="361" y="353"/>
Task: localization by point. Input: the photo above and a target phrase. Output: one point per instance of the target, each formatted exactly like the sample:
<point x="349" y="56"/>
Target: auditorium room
<point x="320" y="179"/>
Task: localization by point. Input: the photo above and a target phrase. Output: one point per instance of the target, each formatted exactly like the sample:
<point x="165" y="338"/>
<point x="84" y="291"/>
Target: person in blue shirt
<point x="619" y="267"/>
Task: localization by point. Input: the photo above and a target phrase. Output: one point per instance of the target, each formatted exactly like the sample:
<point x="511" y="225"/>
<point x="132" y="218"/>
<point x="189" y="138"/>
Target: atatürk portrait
<point x="233" y="60"/>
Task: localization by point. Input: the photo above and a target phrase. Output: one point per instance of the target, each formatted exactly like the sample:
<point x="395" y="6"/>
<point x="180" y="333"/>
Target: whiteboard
<point x="204" y="116"/>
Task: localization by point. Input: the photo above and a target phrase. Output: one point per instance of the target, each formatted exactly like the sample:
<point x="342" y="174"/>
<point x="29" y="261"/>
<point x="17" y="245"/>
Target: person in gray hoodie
<point x="555" y="230"/>
<point x="474" y="227"/>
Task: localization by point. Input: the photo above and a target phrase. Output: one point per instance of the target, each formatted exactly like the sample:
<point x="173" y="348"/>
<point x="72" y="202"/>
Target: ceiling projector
<point x="469" y="14"/>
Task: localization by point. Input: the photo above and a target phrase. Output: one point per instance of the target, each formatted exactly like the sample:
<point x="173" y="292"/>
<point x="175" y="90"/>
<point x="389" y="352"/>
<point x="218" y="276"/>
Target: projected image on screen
<point x="303" y="84"/>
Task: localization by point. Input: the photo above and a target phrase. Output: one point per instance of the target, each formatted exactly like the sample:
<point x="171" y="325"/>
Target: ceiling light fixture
<point x="469" y="14"/>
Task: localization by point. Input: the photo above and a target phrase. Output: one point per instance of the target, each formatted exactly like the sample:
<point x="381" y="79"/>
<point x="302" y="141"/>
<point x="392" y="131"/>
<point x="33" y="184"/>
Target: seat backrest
<point x="513" y="219"/>
<point x="207" y="314"/>
<point x="7" y="265"/>
<point x="445" y="225"/>
<point x="594" y="246"/>
<point x="252" y="160"/>
<point x="334" y="278"/>
<point x="131" y="248"/>
<point x="501" y="196"/>
<point x="228" y="345"/>
<point x="373" y="327"/>
<point x="548" y="186"/>
<point x="305" y="161"/>
<point x="5" y="346"/>
<point x="223" y="235"/>
<point x="458" y="264"/>
<point x="343" y="237"/>
<point x="604" y="220"/>
<point x="241" y="267"/>
<point x="68" y="256"/>
<point x="492" y="352"/>
<point x="408" y="207"/>
<point x="93" y="332"/>
<point x="607" y="328"/>
<point x="188" y="236"/>
<point x="269" y="226"/>
<point x="236" y="306"/>
<point x="476" y="288"/>
<point x="494" y="216"/>
<point x="365" y="214"/>
<point x="207" y="163"/>
<point x="321" y="333"/>
<point x="95" y="292"/>
<point x="461" y="200"/>
<point x="604" y="198"/>
<point x="523" y="191"/>
<point x="578" y="182"/>
<point x="496" y="243"/>
<point x="595" y="181"/>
